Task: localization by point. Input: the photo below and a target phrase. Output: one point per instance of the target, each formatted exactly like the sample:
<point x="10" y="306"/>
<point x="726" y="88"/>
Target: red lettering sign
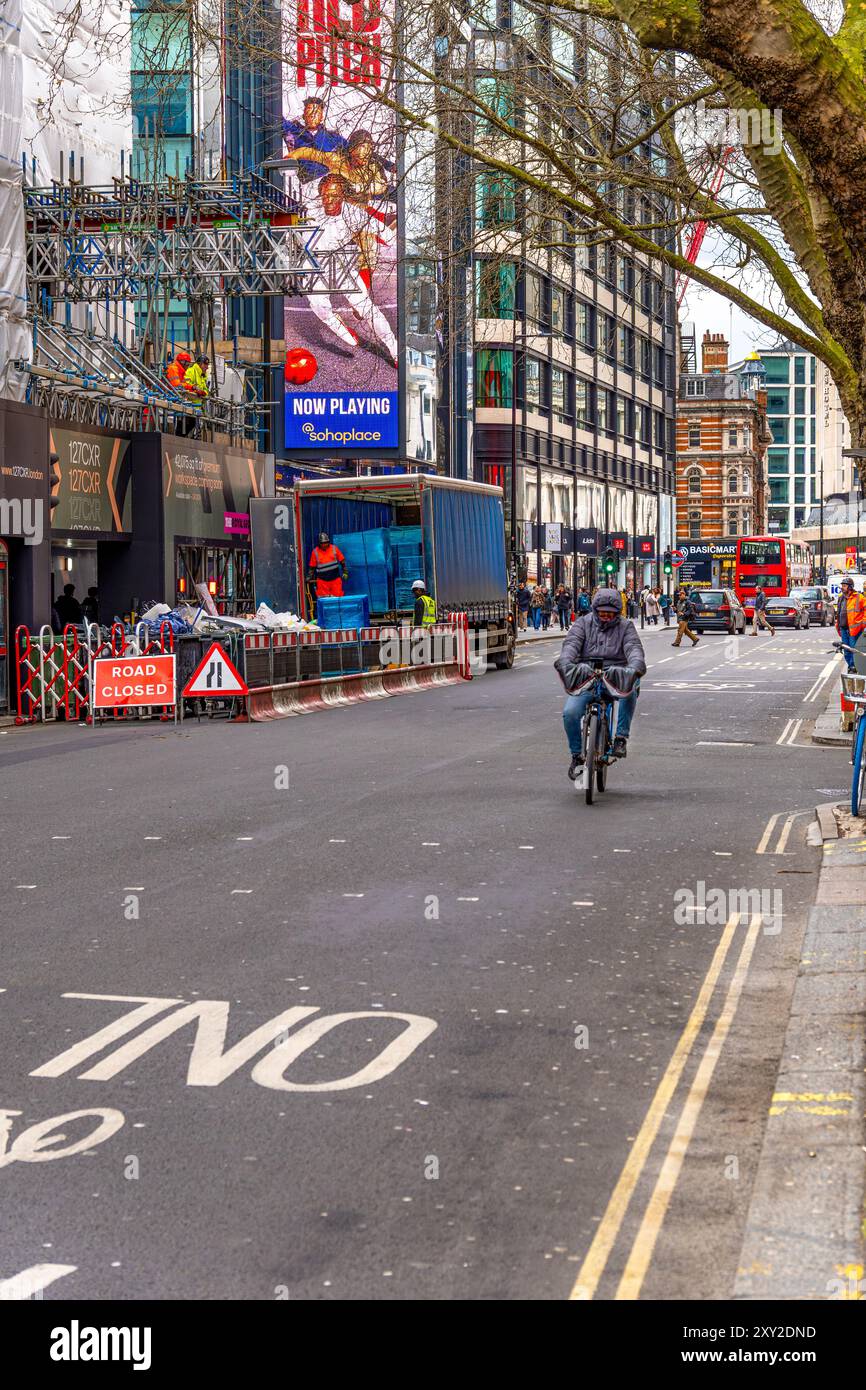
<point x="126" y="682"/>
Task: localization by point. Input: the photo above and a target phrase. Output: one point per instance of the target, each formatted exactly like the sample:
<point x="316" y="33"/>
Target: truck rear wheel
<point x="503" y="661"/>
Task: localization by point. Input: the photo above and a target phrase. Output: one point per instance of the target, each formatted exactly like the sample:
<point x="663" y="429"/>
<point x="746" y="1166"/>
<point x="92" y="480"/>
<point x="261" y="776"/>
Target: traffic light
<point x="668" y="562"/>
<point x="610" y="563"/>
<point x="54" y="481"/>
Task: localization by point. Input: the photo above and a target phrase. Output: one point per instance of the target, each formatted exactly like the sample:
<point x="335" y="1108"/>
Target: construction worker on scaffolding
<point x="195" y="378"/>
<point x="177" y="369"/>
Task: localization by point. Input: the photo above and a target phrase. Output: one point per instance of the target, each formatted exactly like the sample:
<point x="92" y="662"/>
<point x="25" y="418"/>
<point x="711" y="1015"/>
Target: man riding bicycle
<point x="603" y="635"/>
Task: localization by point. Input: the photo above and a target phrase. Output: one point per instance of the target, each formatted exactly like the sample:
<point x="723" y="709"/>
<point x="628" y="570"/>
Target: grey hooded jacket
<point x="615" y="644"/>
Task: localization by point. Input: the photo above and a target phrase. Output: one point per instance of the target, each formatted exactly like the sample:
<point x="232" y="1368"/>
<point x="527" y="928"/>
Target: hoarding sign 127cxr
<point x="341" y="369"/>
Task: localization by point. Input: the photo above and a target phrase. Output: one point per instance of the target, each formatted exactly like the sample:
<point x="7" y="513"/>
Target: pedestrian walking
<point x="665" y="606"/>
<point x="652" y="607"/>
<point x="536" y="604"/>
<point x="546" y="608"/>
<point x="686" y="613"/>
<point x="584" y="602"/>
<point x="523" y="598"/>
<point x="562" y="600"/>
<point x="759" y="613"/>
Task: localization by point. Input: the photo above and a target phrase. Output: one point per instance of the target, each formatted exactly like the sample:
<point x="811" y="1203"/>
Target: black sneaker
<point x="578" y="763"/>
<point x="620" y="747"/>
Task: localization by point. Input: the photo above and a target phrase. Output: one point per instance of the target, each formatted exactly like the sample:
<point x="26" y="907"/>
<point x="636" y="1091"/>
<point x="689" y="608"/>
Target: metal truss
<point x="191" y="238"/>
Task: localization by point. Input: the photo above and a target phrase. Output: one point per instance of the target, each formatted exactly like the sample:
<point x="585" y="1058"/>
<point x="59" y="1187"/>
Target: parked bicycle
<point x="854" y="689"/>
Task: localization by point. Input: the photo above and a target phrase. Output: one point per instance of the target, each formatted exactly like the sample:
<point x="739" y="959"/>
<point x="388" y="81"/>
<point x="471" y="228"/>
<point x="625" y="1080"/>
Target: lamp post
<point x="821" y="531"/>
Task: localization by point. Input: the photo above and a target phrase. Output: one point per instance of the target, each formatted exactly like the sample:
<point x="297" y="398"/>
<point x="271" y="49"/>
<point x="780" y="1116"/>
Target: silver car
<point x="819" y="603"/>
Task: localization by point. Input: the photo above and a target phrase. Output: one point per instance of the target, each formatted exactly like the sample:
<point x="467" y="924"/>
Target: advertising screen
<point x="341" y="373"/>
<point x="95" y="483"/>
<point x="207" y="490"/>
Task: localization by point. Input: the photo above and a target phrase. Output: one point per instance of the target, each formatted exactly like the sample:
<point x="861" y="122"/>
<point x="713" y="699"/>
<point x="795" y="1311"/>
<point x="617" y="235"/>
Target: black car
<point x="819" y="603"/>
<point x="718" y="610"/>
<point x="787" y="611"/>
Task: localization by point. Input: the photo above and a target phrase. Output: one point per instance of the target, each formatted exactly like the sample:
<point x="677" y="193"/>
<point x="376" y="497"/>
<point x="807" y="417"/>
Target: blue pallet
<point x="349" y="611"/>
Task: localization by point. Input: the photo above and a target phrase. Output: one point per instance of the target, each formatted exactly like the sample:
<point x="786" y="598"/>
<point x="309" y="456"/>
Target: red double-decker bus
<point x="777" y="563"/>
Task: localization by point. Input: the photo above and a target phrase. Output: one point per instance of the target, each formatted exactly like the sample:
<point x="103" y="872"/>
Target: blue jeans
<point x="575" y="708"/>
<point x="535" y="614"/>
<point x="845" y="636"/>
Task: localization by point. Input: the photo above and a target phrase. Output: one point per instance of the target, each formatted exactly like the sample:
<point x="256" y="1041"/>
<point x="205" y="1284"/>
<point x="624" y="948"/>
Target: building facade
<point x="809" y="432"/>
<point x="559" y="384"/>
<point x="722" y="437"/>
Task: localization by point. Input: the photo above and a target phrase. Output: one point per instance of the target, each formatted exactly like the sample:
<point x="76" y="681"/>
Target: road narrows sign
<point x="215" y="675"/>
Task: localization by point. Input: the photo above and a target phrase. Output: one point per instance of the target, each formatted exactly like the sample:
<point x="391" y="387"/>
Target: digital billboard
<point x="341" y="372"/>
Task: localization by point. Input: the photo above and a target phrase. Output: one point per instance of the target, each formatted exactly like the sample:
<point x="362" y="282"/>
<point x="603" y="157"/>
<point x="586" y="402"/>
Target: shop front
<point x="91" y="520"/>
<point x="25" y="594"/>
<point x="192" y="528"/>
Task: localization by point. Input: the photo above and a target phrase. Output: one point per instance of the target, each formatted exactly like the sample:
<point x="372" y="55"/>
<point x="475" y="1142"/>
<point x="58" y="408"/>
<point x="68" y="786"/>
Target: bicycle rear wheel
<point x="858" y="770"/>
<point x="590" y="747"/>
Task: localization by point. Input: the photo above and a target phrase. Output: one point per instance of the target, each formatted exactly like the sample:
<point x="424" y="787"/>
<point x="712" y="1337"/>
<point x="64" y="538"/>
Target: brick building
<point x="721" y="441"/>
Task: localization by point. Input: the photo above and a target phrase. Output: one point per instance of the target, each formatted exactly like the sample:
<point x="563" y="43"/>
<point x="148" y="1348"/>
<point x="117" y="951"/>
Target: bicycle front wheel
<point x="590" y="749"/>
<point x="858" y="770"/>
<point x="600" y="753"/>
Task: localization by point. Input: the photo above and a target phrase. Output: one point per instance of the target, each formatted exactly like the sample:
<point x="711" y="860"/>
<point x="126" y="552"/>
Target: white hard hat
<point x="419" y="584"/>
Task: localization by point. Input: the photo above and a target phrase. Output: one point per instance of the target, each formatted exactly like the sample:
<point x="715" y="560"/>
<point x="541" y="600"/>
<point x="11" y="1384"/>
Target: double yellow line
<point x="644" y="1243"/>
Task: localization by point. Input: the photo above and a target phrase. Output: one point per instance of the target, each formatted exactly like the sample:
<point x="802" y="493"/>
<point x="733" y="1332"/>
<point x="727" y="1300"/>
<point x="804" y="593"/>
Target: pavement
<point x="369" y="1004"/>
<point x="804" y="1234"/>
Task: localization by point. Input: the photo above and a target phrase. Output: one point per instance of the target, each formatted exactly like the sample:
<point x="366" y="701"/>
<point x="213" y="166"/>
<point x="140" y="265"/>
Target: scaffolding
<point x="134" y="243"/>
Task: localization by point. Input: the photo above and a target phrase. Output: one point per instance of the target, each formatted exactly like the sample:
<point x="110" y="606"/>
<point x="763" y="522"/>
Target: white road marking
<point x="353" y="895"/>
<point x="245" y="837"/>
<point x="526" y="846"/>
<point x="32" y="1280"/>
<point x="61" y="837"/>
<point x="25" y="885"/>
<point x="814" y="691"/>
<point x="468" y="900"/>
<point x="132" y="888"/>
<point x="336" y="842"/>
<point x="723" y="853"/>
<point x="719" y="743"/>
<point x="795" y="731"/>
<point x="241" y="890"/>
<point x="583" y="902"/>
<point x="153" y="837"/>
<point x="430" y="844"/>
<point x="784" y="734"/>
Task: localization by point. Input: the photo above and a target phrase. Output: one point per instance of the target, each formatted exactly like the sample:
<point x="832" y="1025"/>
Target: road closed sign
<point x="128" y="682"/>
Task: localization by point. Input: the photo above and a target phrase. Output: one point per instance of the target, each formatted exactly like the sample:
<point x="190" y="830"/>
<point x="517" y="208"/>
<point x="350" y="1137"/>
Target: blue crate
<point x="350" y="611"/>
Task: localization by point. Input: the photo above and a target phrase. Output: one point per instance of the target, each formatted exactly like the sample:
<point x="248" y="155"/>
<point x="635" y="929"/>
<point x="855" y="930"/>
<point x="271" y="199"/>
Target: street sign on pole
<point x="215" y="675"/>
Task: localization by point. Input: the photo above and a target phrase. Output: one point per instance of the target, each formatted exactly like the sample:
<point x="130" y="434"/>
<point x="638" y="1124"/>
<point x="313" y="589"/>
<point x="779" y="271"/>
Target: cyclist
<point x="600" y="635"/>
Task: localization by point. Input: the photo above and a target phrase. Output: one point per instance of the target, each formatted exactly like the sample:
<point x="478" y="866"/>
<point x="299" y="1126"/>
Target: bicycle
<point x="854" y="689"/>
<point x="598" y="727"/>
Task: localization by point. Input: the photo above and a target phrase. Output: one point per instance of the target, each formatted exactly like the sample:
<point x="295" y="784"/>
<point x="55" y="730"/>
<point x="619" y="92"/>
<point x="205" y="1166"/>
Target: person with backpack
<point x="584" y="603"/>
<point x="665" y="606"/>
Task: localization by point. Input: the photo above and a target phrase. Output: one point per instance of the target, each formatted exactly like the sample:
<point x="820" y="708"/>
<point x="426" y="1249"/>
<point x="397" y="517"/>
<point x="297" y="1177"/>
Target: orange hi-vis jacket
<point x="855" y="614"/>
<point x="174" y="373"/>
<point x="326" y="566"/>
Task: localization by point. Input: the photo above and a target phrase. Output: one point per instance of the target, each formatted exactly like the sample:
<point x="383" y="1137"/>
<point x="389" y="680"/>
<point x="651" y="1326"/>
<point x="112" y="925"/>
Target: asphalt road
<point x="577" y="1096"/>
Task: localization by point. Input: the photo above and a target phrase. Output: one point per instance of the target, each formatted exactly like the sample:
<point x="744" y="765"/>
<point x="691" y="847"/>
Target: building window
<point x="778" y="401"/>
<point x="625" y="346"/>
<point x="605" y="421"/>
<point x="583" y="402"/>
<point x="557" y="309"/>
<point x="532" y="381"/>
<point x="776" y="369"/>
<point x="732" y="524"/>
<point x="584" y="327"/>
<point x="694" y="436"/>
<point x="732" y="437"/>
<point x="695" y="481"/>
<point x="494" y="200"/>
<point x="494" y="289"/>
<point x="559" y="394"/>
<point x="779" y="431"/>
<point x="733" y="482"/>
<point x="695" y="386"/>
<point x="694" y="525"/>
<point x="747" y="483"/>
<point x="644" y="424"/>
<point x="646" y="357"/>
<point x="493" y="377"/>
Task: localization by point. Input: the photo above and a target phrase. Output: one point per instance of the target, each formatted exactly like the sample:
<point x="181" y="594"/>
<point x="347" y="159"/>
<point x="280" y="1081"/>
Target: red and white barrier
<point x="332" y="692"/>
<point x="459" y="624"/>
